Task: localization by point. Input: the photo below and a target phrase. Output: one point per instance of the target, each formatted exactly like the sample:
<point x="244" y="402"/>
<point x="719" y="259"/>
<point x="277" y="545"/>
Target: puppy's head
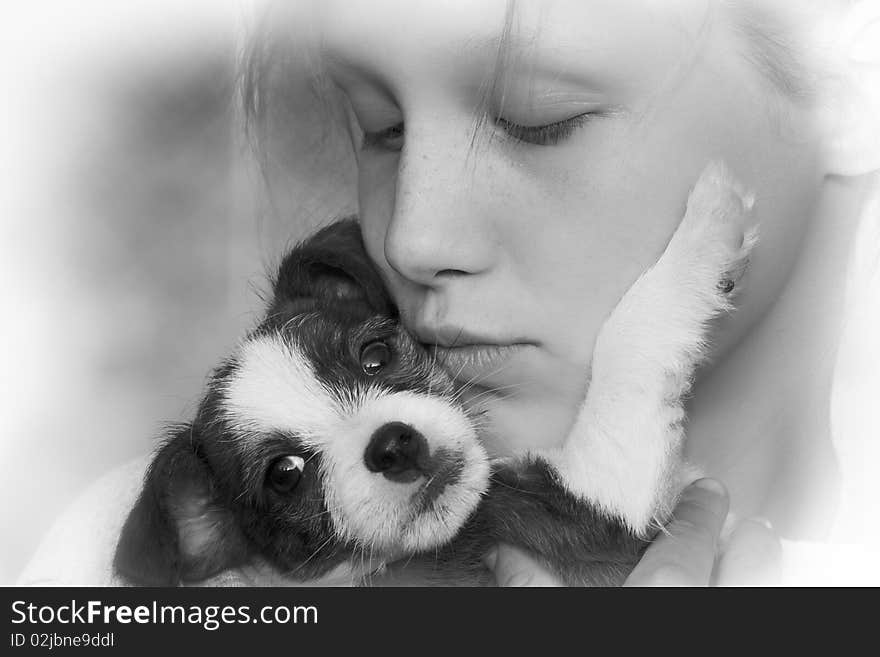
<point x="328" y="434"/>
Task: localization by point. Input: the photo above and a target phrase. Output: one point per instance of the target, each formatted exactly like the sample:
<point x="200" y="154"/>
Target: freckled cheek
<point x="595" y="237"/>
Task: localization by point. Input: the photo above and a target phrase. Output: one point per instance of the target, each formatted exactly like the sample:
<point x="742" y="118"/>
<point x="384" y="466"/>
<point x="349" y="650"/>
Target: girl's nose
<point x="440" y="224"/>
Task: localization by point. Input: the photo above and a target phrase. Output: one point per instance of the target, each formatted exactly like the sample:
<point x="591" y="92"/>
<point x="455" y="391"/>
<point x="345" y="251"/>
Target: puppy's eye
<point x="284" y="473"/>
<point x="374" y="357"/>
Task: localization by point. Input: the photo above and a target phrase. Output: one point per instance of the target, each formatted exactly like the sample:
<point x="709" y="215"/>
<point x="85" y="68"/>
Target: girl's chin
<point x="533" y="406"/>
<point x="518" y="423"/>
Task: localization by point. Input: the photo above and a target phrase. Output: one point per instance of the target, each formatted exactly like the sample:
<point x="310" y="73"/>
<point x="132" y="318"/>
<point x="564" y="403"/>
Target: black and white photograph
<point x="439" y="293"/>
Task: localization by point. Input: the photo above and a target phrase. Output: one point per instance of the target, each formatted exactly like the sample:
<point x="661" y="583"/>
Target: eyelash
<point x="544" y="135"/>
<point x="541" y="135"/>
<point x="380" y="138"/>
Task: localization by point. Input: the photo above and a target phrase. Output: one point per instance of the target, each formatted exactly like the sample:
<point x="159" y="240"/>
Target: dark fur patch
<point x="527" y="506"/>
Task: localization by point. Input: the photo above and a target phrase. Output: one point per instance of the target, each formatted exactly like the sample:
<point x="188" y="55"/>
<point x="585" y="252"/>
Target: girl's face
<point x="509" y="240"/>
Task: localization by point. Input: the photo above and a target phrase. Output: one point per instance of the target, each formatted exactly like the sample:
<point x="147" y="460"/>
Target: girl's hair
<point x="790" y="43"/>
<point x="772" y="48"/>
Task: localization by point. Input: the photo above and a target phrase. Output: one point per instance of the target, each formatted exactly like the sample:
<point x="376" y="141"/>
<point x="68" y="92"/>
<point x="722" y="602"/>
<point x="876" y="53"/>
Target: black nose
<point x="396" y="450"/>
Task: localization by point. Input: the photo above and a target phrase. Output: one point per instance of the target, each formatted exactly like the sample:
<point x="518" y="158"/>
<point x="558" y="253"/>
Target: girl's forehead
<point x="585" y="38"/>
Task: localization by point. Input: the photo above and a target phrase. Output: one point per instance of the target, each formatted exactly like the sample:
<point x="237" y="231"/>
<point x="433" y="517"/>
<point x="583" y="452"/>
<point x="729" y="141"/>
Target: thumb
<point x="512" y="566"/>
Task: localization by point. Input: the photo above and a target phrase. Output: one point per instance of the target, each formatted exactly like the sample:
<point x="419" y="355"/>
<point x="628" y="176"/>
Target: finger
<point x="514" y="567"/>
<point x="684" y="554"/>
<point x="752" y="557"/>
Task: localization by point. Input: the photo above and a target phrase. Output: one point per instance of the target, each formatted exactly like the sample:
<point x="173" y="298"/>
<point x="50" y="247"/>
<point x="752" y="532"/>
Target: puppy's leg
<point x="623" y="454"/>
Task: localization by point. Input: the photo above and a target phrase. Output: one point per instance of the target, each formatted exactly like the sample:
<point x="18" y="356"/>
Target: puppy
<point x="329" y="443"/>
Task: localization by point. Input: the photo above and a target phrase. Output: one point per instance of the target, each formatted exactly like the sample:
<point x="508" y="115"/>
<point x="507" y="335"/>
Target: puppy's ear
<point x="332" y="265"/>
<point x="177" y="531"/>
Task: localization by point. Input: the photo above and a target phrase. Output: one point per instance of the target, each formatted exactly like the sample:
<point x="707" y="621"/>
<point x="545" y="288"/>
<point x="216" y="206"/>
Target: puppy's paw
<point x="712" y="244"/>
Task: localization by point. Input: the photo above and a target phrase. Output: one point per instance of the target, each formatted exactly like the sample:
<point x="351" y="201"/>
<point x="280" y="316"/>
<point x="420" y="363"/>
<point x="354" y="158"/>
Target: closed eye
<point x="392" y="138"/>
<point x="545" y="135"/>
<point x="388" y="139"/>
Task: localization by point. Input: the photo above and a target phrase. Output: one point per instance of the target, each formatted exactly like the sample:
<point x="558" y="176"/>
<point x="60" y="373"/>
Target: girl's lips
<point x="483" y="365"/>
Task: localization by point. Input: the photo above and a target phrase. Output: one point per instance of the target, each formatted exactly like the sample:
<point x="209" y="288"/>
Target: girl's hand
<point x="686" y="555"/>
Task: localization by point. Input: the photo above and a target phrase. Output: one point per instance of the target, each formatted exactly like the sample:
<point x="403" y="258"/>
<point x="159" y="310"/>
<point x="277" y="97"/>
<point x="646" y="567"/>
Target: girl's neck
<point x="760" y="418"/>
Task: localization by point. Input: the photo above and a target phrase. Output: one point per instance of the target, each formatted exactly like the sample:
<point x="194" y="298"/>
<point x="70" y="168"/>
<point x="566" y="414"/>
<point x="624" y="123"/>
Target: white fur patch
<point x="275" y="389"/>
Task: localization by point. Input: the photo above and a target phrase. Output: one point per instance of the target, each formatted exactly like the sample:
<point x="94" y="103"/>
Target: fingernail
<point x="762" y="521"/>
<point x="490" y="558"/>
<point x="519" y="580"/>
<point x="711" y="485"/>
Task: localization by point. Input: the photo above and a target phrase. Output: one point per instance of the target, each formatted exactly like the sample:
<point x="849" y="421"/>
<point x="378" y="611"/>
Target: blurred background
<point x="134" y="239"/>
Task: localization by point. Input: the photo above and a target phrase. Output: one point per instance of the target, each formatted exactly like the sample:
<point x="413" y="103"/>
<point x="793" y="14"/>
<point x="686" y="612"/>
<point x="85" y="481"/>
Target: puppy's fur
<point x="303" y="391"/>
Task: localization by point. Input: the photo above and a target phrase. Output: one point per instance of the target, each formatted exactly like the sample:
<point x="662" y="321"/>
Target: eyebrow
<point x="522" y="57"/>
<point x="479" y="45"/>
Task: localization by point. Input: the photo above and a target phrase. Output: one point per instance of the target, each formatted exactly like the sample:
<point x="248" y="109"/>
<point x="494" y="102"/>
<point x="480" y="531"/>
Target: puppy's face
<point x="329" y="434"/>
